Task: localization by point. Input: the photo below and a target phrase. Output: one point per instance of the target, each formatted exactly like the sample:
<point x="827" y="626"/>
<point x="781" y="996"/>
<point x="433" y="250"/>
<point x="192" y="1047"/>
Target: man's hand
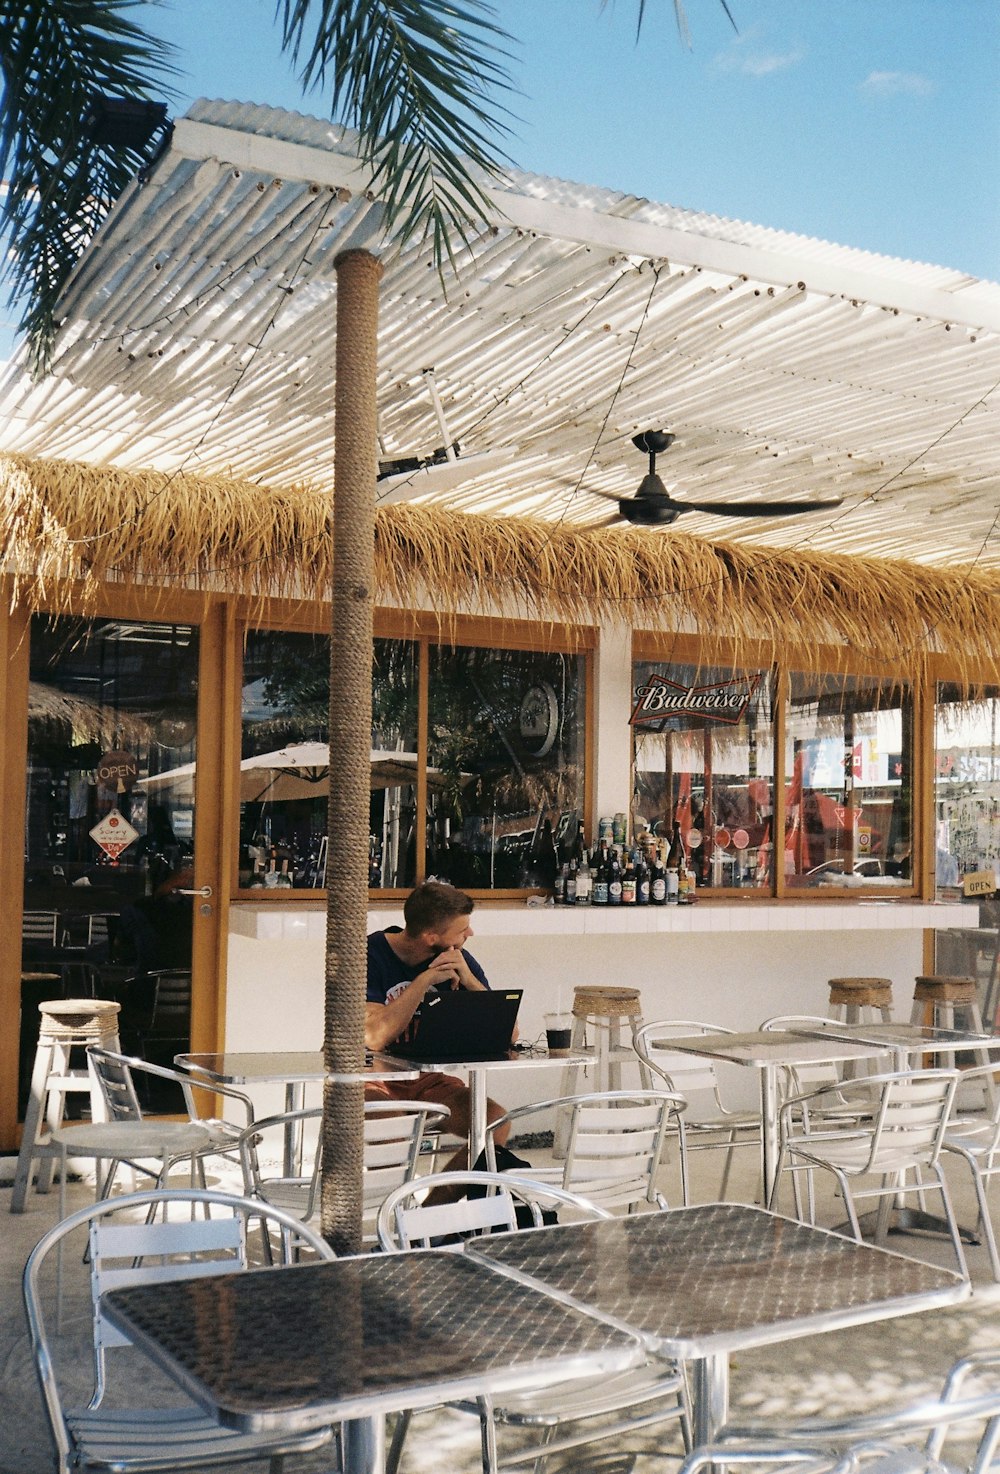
<point x="452" y="962"/>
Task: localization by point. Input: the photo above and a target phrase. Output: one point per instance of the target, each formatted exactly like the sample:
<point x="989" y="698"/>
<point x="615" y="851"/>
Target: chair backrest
<point x="692" y="1075"/>
<point x="405" y="1221"/>
<point x="911" y="1117"/>
<point x="41" y="926"/>
<point x="132" y="1250"/>
<point x="114" y="1075"/>
<point x="171" y="1013"/>
<point x="393" y="1135"/>
<point x="616" y="1142"/>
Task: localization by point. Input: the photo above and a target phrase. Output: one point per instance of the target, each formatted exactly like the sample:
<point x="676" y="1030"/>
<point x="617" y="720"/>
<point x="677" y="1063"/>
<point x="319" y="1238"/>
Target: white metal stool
<point x="859" y="1000"/>
<point x="67" y="1024"/>
<point x="598" y="1015"/>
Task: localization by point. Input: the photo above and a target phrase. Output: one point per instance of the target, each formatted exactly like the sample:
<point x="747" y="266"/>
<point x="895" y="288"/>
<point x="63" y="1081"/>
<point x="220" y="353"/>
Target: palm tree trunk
<point x="358" y="275"/>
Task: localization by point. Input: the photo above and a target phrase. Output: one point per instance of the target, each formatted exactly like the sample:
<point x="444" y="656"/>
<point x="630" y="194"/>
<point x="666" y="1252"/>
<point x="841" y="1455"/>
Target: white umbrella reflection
<point x="302" y="771"/>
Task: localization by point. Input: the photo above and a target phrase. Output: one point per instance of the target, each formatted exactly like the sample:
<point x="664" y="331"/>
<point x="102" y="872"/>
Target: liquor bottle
<point x="599" y="894"/>
<point x="675" y="858"/>
<point x="584" y="882"/>
<point x="579" y="853"/>
<point x="548" y="857"/>
<point x="571" y="884"/>
<point x="686" y="885"/>
<point x="614" y="880"/>
<point x="658" y="880"/>
<point x="642" y="881"/>
<point x="561" y="879"/>
<point x="628" y="882"/>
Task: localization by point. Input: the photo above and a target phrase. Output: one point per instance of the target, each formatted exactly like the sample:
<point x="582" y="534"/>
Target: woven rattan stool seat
<point x="858" y="1000"/>
<point x="938" y="988"/>
<point x="66" y="1024"/>
<point x="79" y="1020"/>
<point x="596" y="1002"/>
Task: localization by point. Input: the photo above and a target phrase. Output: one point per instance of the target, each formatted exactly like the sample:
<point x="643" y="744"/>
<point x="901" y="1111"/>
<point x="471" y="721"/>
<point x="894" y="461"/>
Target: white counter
<point x="271" y="923"/>
<point x="732" y="963"/>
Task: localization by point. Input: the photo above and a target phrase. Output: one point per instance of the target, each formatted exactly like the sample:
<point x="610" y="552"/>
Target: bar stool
<point x="954" y="1002"/>
<point x="67" y="1024"/>
<point x="598" y="1013"/>
<point x="858" y="1000"/>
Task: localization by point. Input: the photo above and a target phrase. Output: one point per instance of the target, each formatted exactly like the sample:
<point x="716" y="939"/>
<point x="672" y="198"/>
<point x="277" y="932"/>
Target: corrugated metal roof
<point x="199" y="333"/>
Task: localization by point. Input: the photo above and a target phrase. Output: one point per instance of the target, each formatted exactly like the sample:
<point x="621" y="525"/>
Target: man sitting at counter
<point x="404" y="963"/>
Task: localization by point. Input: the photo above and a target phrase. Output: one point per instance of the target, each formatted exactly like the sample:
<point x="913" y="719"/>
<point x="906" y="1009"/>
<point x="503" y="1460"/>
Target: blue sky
<point x="874" y="123"/>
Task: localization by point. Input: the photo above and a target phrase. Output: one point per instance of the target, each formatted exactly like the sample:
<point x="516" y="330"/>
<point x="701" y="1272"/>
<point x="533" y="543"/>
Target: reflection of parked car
<point x="832" y="869"/>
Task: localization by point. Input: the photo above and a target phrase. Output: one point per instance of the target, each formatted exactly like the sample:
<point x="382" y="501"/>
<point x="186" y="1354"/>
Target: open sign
<point x="117" y="770"/>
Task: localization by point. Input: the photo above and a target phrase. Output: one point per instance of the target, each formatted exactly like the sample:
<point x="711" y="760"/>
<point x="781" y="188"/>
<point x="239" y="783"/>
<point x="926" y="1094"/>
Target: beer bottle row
<point x="647" y="874"/>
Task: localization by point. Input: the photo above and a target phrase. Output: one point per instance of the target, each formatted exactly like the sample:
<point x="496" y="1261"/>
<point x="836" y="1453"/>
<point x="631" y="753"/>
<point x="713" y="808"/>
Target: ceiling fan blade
<point x="758" y="509"/>
<point x="609" y="496"/>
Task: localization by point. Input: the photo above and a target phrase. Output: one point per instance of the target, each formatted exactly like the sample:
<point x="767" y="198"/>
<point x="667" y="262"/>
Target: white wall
<point x="275" y="990"/>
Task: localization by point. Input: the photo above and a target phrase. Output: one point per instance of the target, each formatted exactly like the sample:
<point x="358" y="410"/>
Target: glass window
<point x="967" y="830"/>
<point x="110" y="819"/>
<point x="506" y="763"/>
<point x="849" y="767"/>
<point x="285" y="761"/>
<point x="967" y="785"/>
<point x="704" y="758"/>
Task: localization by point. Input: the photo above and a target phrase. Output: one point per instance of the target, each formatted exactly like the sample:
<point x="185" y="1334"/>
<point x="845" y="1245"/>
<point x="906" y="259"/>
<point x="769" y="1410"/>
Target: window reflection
<point x="967" y="785"/>
<point x="285" y="762"/>
<point x="505" y="752"/>
<point x="849" y="766"/>
<point x="704" y="758"/>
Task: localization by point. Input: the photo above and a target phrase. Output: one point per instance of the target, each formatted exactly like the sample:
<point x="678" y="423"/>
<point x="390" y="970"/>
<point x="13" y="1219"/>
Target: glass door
<point x="110" y="826"/>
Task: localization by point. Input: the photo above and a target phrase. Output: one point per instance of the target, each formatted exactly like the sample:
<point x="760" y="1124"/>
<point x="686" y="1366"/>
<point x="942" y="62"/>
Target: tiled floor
<point x="851" y="1370"/>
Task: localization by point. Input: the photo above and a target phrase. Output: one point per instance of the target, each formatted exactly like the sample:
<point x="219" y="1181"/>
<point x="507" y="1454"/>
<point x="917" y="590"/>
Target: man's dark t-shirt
<point x="388" y="975"/>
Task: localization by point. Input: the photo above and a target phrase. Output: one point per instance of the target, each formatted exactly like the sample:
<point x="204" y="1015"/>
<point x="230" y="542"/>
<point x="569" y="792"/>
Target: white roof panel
<point x="199" y="334"/>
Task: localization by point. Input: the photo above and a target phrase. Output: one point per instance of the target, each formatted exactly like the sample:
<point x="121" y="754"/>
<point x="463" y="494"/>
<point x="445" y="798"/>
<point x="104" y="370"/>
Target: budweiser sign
<point x="719" y="701"/>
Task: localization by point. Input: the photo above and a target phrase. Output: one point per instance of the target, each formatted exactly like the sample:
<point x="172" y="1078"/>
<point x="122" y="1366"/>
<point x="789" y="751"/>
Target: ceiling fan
<point x="653" y="506"/>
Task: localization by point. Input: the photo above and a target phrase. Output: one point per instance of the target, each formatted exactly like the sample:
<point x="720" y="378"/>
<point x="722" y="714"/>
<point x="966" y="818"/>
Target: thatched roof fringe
<point x="61" y="521"/>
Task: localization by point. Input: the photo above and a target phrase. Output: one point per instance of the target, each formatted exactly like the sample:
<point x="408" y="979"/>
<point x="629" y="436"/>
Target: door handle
<point x="203" y="890"/>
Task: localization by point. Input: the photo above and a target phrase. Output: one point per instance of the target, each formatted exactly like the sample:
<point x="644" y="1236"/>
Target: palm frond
<point x="419" y="80"/>
<point x="57" y="57"/>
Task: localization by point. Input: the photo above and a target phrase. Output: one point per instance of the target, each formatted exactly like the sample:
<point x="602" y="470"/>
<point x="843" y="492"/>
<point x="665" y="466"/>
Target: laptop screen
<point x="459" y="1024"/>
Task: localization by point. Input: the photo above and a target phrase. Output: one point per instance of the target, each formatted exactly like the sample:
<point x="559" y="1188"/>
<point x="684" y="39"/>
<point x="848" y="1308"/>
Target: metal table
<point x="904" y="1040"/>
<point x="769" y="1051"/>
<point x="297" y="1348"/>
<point x="697" y="1283"/>
<point x="478" y="1070"/>
<point x="292" y="1068"/>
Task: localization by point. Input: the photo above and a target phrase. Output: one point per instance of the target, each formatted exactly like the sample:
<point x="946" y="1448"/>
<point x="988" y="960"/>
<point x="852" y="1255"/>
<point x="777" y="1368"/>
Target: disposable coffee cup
<point x="558" y="1032"/>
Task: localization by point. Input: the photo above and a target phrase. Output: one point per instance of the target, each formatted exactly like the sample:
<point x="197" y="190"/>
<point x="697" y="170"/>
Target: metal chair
<point x="126" y="1248"/>
<point x="40" y="928"/>
<point x="976" y="1139"/>
<point x="116" y="1077"/>
<point x="614" y="1145"/>
<point x="562" y="1413"/>
<point x="900" y="1143"/>
<point x="709" y="1124"/>
<point x="393" y="1136"/>
<point x="876" y="1443"/>
<point x="804" y="1080"/>
<point x="168" y="1026"/>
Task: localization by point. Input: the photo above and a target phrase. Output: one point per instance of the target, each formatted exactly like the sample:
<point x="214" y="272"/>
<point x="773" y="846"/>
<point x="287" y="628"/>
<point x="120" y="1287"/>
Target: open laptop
<point x="461" y="1025"/>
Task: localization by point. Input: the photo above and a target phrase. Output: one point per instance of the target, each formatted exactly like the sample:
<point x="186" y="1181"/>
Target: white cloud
<point x="898" y="84"/>
<point x="751" y="58"/>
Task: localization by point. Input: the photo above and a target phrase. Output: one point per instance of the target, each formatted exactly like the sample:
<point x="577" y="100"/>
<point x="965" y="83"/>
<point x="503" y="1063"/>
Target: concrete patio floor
<point x="855" y="1370"/>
